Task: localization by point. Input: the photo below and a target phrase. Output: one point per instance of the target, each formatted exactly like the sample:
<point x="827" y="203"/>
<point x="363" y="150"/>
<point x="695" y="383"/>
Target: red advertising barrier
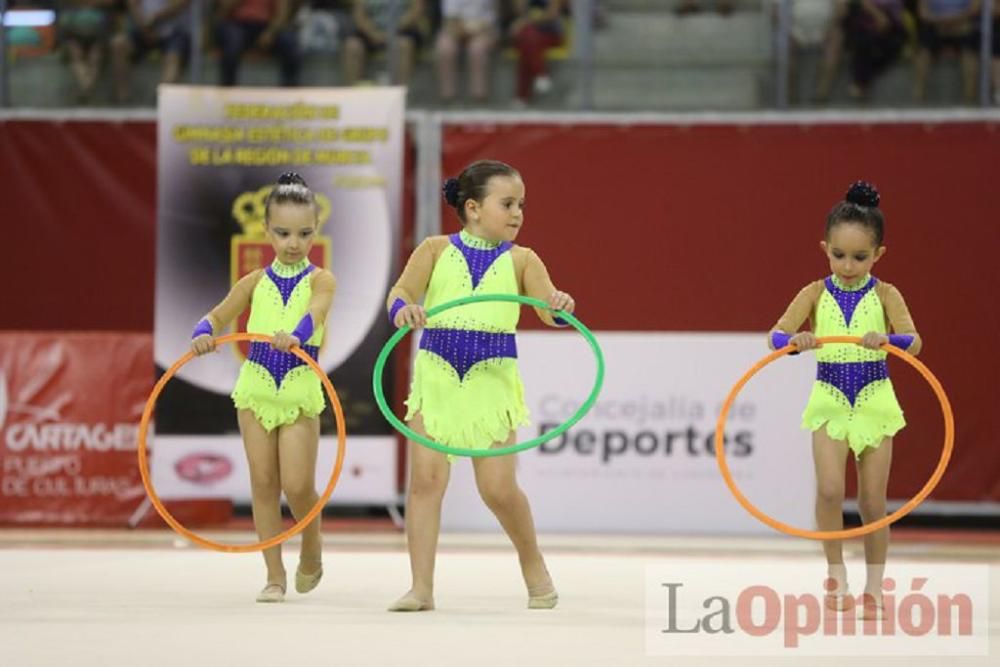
<point x="69" y="412"/>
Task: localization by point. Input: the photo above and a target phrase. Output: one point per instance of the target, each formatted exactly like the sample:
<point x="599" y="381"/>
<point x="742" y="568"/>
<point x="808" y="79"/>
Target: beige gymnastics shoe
<point x="306" y="582"/>
<point x="544" y="601"/>
<point x="272" y="593"/>
<point x="410" y="602"/>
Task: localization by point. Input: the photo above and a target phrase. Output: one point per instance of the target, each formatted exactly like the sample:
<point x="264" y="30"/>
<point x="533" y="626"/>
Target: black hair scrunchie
<point x="863" y="193"/>
<point x="450" y="190"/>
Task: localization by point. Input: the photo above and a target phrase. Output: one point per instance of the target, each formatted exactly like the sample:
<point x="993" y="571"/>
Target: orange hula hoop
<point x="281" y="537"/>
<point x="949" y="441"/>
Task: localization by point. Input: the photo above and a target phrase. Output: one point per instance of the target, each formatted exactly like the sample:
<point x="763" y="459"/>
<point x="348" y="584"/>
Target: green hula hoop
<point x="398" y="424"/>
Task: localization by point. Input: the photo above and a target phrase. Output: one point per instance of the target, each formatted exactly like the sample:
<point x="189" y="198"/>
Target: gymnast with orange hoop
<point x="278" y="397"/>
<point x="852" y="407"/>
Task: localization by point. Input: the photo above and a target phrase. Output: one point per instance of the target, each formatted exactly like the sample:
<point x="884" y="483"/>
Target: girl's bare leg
<point x="429" y="474"/>
<point x="830" y="460"/>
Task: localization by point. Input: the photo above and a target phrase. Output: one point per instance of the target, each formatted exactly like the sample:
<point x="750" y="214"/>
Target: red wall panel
<point x="79" y="203"/>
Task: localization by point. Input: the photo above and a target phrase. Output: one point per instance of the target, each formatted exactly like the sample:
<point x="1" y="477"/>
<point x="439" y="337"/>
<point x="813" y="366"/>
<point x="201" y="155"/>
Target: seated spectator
<point x="160" y="25"/>
<point x="537" y="26"/>
<point x="84" y="27"/>
<point x="256" y="24"/>
<point x="372" y="22"/>
<point x="947" y="25"/>
<point x="873" y="32"/>
<point x="472" y="24"/>
<point x="724" y="7"/>
<point x="810" y="24"/>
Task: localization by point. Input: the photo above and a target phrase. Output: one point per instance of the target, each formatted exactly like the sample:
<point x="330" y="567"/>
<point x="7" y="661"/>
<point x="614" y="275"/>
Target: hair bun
<point x="450" y="190"/>
<point x="863" y="193"/>
<point x="291" y="178"/>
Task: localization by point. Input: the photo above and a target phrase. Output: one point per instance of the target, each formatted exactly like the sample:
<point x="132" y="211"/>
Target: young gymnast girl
<point x="277" y="396"/>
<point x="852" y="407"/>
<point x="466" y="389"/>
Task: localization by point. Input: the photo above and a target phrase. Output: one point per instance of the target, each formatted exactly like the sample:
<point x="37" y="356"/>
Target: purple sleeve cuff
<point x="204" y="328"/>
<point x="902" y="341"/>
<point x="304" y="330"/>
<point x="396" y="305"/>
<point x="780" y="339"/>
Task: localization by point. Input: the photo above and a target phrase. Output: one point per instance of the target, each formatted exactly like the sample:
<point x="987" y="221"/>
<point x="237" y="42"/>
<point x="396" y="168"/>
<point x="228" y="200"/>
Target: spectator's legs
<point x="480" y="47"/>
<point x="407" y="54"/>
<point x="921" y="68"/>
<point x="833" y="49"/>
<point x="353" y="60"/>
<point x="970" y="75"/>
<point x="95" y="55"/>
<point x="996" y="80"/>
<point x="286" y="50"/>
<point x="85" y="63"/>
<point x="873" y="53"/>
<point x="724" y="7"/>
<point x="121" y="54"/>
<point x="996" y="53"/>
<point x="862" y="64"/>
<point x="177" y="47"/>
<point x="446" y="58"/>
<point x="531" y="44"/>
<point x="173" y="63"/>
<point x="233" y="39"/>
<point x="687" y="7"/>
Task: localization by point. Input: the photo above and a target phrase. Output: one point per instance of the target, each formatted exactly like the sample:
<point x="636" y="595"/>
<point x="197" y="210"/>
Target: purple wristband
<point x="396" y="305"/>
<point x="559" y="322"/>
<point x="304" y="330"/>
<point x="780" y="339"/>
<point x="204" y="328"/>
<point x="902" y="341"/>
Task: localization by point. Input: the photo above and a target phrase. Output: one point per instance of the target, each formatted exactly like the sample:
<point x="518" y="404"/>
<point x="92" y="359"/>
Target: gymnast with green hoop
<point x="466" y="390"/>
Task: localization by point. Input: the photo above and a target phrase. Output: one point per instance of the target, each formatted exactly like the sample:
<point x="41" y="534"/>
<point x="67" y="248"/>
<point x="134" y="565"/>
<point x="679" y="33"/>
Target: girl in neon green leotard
<point x="278" y="397"/>
<point x="466" y="389"/>
<point x="852" y="407"/>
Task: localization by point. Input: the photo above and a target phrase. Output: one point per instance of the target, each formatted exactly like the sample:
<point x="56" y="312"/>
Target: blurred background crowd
<point x="500" y="54"/>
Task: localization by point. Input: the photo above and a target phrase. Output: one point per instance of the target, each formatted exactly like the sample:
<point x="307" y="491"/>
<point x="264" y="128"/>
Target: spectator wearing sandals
<point x="372" y="22"/>
<point x="160" y="25"/>
<point x="472" y="24"/>
<point x="260" y="24"/>
<point x="537" y="27"/>
<point x="947" y="25"/>
<point x="873" y="32"/>
<point x="85" y="26"/>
